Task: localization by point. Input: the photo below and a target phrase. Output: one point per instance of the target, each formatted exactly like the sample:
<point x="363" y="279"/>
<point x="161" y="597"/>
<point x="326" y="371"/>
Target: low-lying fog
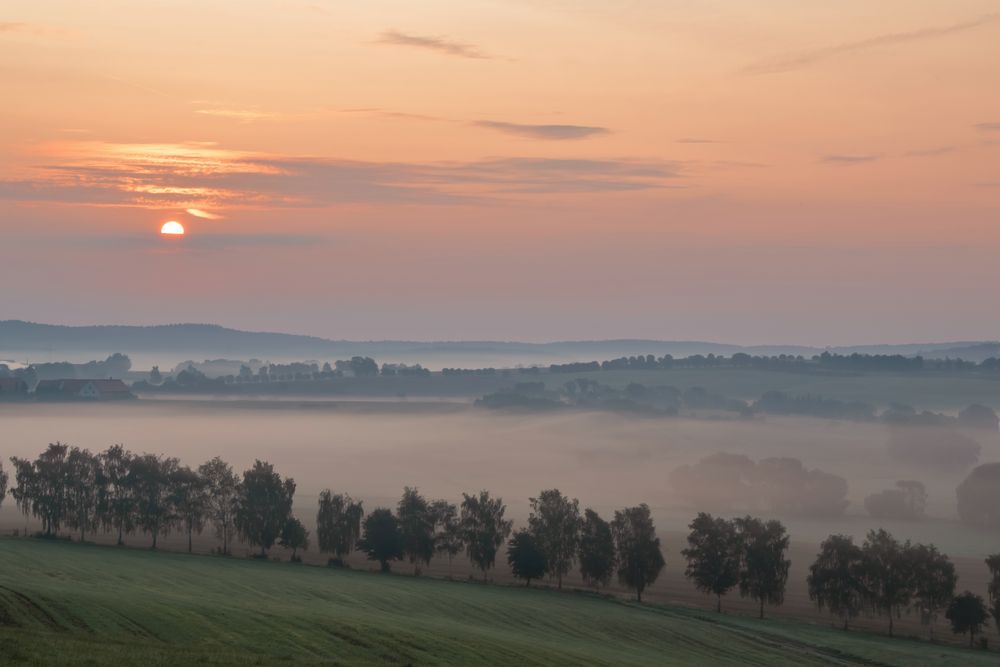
<point x="607" y="461"/>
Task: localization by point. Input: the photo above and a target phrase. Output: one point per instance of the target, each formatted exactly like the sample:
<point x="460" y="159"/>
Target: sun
<point x="172" y="228"/>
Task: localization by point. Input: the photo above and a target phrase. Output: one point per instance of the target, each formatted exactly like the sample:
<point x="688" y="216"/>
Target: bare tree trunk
<point x="761" y="608"/>
<point x="189" y="539"/>
<point x="718" y="603"/>
<point x="890" y="623"/>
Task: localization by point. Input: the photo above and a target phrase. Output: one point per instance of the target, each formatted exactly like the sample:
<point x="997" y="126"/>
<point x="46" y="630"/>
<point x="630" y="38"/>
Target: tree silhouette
<point x="713" y="558"/>
<point x="888" y="573"/>
<point x="934" y="582"/>
<point x="154" y="509"/>
<point x="967" y="613"/>
<point x="338" y="524"/>
<point x="85" y="480"/>
<point x="993" y="590"/>
<point x="263" y="506"/>
<point x="221" y="485"/>
<point x="119" y="499"/>
<point x="763" y="566"/>
<point x="483" y="528"/>
<point x="189" y="495"/>
<point x="416" y="525"/>
<point x="597" y="550"/>
<point x="294" y="536"/>
<point x="448" y="530"/>
<point x="555" y="523"/>
<point x="525" y="556"/>
<point x="836" y="578"/>
<point x="382" y="540"/>
<point x="637" y="548"/>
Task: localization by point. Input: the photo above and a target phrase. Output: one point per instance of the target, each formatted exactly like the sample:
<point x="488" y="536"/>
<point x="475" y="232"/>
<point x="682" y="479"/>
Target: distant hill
<point x="171" y="343"/>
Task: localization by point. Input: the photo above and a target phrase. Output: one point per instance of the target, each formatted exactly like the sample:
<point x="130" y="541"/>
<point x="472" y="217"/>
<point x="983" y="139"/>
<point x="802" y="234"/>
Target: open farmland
<point x="87" y="604"/>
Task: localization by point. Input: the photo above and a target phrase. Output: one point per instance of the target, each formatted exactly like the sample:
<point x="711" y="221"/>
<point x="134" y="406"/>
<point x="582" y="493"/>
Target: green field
<point x="63" y="602"/>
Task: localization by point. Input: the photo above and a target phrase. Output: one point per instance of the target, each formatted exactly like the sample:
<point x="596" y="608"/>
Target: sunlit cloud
<point x="552" y="132"/>
<point x="804" y="58"/>
<point x="432" y="43"/>
<point x="201" y="178"/>
<point x="205" y="215"/>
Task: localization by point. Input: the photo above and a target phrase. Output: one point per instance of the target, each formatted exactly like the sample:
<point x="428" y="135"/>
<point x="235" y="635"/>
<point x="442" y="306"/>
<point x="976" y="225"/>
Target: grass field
<point x="63" y="602"/>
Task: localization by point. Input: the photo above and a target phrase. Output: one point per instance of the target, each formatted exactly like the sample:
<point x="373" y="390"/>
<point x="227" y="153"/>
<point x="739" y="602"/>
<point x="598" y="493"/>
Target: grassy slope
<point x="60" y="601"/>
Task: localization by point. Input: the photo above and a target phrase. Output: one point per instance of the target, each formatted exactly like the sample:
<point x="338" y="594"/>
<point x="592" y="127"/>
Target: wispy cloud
<point x="696" y="140"/>
<point x="243" y="115"/>
<point x="201" y="178"/>
<point x="432" y="43"/>
<point x="931" y="152"/>
<point x="551" y="132"/>
<point x="988" y="127"/>
<point x="15" y="26"/>
<point x="796" y="60"/>
<point x="848" y="159"/>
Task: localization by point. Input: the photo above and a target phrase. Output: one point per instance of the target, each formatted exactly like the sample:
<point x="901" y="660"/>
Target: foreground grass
<point x="63" y="602"/>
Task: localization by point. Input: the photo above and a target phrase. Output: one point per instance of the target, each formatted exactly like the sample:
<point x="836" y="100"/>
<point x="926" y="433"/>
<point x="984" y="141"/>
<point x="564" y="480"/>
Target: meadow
<point x="86" y="604"/>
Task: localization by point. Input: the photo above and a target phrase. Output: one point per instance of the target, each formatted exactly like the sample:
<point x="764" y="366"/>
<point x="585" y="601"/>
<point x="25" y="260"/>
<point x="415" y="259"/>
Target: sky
<point x="785" y="171"/>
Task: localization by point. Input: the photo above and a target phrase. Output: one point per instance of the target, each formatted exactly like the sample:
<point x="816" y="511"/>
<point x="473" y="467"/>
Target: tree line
<point x="122" y="493"/>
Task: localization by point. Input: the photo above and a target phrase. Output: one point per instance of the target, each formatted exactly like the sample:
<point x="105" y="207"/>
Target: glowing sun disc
<point x="172" y="228"/>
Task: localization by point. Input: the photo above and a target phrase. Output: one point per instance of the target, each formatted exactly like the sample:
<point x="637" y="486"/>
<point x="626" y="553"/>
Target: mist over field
<point x="372" y="449"/>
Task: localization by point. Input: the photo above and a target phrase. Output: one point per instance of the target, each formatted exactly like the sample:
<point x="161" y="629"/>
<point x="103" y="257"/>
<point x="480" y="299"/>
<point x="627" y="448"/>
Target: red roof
<point x="74" y="386"/>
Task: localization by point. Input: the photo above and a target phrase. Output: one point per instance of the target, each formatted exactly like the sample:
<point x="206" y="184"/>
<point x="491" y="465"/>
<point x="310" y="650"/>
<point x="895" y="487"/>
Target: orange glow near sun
<point x="172" y="228"/>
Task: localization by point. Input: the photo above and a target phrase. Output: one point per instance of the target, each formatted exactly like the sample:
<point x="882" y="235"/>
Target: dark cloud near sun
<point x="432" y="43"/>
<point x="548" y="132"/>
<point x="988" y="127"/>
<point x="804" y="58"/>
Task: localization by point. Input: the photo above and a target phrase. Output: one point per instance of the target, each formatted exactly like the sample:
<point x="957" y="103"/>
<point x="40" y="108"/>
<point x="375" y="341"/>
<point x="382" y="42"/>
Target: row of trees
<point x="886" y="577"/>
<point x="123" y="492"/>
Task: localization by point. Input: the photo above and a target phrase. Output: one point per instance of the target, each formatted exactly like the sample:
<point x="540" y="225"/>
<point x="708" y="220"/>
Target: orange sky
<point x="744" y="171"/>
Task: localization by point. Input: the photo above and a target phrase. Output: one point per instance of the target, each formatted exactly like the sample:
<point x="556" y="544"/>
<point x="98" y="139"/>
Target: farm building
<point x="12" y="388"/>
<point x="93" y="390"/>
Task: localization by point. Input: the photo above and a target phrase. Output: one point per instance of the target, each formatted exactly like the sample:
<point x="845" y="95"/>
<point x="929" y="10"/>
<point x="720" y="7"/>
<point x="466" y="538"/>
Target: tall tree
<point x="45" y="486"/>
<point x="763" y="566"/>
<point x="597" y="550"/>
<point x="85" y="480"/>
<point x="189" y="496"/>
<point x="934" y="582"/>
<point x="24" y="491"/>
<point x="555" y="522"/>
<point x="151" y="476"/>
<point x="3" y="483"/>
<point x="637" y="548"/>
<point x="968" y="614"/>
<point x="525" y="556"/>
<point x="836" y="578"/>
<point x="448" y="530"/>
<point x="118" y="502"/>
<point x="382" y="539"/>
<point x="221" y="485"/>
<point x="263" y="505"/>
<point x="294" y="536"/>
<point x="993" y="590"/>
<point x="713" y="557"/>
<point x="338" y="524"/>
<point x="483" y="528"/>
<point x="416" y="525"/>
<point x="888" y="573"/>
